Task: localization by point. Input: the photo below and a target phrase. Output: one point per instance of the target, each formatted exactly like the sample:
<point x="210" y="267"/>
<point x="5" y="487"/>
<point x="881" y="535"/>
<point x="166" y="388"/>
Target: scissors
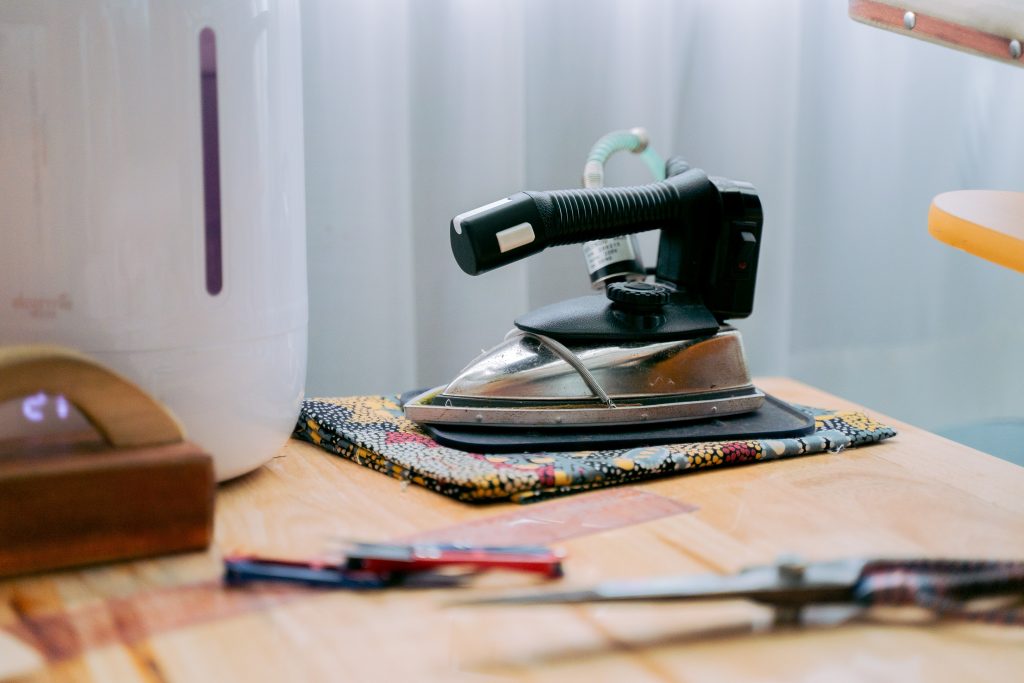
<point x="941" y="585"/>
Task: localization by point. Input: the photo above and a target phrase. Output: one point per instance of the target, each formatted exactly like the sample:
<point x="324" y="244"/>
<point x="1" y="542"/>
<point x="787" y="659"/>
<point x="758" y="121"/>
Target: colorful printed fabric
<point x="372" y="431"/>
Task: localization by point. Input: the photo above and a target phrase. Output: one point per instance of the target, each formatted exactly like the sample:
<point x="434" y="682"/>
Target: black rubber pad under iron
<point x="775" y="419"/>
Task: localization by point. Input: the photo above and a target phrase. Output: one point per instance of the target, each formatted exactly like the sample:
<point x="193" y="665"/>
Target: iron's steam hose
<point x="633" y="140"/>
<point x="616" y="258"/>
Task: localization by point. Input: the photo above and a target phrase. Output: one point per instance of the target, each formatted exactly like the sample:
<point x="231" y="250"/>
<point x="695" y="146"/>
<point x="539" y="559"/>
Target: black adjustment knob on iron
<point x="641" y="297"/>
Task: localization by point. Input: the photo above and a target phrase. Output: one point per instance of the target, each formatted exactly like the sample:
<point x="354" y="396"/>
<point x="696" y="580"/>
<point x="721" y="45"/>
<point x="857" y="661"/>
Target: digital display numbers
<point x="39" y="415"/>
<point x="36" y="407"/>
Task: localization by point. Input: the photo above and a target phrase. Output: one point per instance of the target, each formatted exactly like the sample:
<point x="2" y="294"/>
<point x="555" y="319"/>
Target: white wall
<point x="418" y="110"/>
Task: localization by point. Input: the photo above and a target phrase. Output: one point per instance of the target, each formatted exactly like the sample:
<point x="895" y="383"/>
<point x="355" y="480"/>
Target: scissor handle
<point x="243" y="569"/>
<point x="942" y="586"/>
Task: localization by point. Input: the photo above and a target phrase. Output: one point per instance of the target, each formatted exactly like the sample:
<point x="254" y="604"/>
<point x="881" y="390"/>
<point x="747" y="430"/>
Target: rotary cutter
<point x="645" y="363"/>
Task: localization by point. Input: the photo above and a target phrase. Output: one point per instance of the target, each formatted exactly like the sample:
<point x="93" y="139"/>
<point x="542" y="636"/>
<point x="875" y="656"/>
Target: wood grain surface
<point x="169" y="620"/>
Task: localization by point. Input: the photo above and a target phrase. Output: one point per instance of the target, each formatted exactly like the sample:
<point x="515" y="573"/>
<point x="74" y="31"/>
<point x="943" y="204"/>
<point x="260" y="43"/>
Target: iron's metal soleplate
<point x="424" y="409"/>
<point x="776" y="419"/>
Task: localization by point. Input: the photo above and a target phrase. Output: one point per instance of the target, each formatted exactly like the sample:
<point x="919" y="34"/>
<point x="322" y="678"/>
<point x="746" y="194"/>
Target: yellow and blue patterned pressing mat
<point x="372" y="431"/>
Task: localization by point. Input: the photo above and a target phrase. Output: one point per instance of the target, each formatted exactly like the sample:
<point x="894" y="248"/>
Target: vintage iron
<point x="648" y="362"/>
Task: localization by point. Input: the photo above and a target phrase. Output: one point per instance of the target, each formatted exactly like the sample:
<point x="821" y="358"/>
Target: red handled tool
<point x="383" y="558"/>
<point x="380" y="565"/>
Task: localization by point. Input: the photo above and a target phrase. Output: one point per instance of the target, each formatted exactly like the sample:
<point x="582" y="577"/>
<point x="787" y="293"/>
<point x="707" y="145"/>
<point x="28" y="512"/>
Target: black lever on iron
<point x="710" y="231"/>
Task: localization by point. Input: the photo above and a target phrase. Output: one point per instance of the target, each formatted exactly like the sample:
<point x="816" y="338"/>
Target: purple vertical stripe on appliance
<point x="211" y="160"/>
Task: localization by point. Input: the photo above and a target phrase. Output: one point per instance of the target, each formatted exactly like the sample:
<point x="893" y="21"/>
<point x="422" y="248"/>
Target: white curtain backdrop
<point x="418" y="110"/>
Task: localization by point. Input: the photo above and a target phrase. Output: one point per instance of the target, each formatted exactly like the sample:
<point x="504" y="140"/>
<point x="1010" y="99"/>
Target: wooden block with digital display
<point x="133" y="488"/>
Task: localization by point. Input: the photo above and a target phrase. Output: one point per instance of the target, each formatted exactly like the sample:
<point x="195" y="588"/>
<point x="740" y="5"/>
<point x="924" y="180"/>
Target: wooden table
<point x="169" y="619"/>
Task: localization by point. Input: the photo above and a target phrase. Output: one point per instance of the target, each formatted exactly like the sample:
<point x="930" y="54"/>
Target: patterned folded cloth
<point x="372" y="431"/>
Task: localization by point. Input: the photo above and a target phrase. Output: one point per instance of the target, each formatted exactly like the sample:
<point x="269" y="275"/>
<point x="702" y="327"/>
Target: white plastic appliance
<point x="152" y="206"/>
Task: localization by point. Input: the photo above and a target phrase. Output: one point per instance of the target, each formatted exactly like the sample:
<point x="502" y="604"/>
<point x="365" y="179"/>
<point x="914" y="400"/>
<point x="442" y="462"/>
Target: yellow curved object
<point x="986" y="223"/>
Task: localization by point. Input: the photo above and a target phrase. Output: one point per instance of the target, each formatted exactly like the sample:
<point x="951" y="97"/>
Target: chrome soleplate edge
<point x="422" y="409"/>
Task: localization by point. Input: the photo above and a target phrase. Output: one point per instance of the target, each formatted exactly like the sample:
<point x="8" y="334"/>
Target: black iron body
<point x="707" y="257"/>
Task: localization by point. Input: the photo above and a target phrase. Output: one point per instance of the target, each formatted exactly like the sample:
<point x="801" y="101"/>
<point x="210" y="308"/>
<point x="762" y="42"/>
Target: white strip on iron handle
<point x="457" y="221"/>
<point x="515" y="237"/>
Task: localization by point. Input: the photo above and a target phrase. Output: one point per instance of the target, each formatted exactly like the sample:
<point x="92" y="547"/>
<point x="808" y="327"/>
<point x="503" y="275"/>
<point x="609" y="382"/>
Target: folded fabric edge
<point x="820" y="442"/>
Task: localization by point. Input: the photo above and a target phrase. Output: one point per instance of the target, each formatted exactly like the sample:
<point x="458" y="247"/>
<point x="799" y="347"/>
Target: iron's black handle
<point x="527" y="222"/>
<point x="710" y="231"/>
